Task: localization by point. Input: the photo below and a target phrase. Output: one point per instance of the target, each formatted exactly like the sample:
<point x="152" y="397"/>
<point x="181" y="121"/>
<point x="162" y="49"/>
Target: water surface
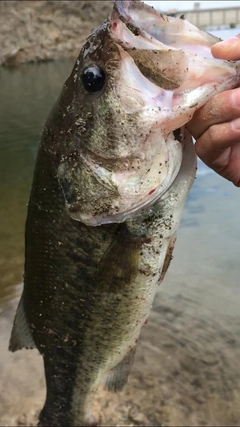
<point x="27" y="96"/>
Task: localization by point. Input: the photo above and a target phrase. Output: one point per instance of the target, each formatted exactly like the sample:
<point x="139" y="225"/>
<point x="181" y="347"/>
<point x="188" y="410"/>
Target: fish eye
<point x="93" y="79"/>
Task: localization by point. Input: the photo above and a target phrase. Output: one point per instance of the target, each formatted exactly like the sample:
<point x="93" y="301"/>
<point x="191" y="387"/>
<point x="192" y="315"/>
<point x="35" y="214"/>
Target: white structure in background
<point x="189" y="5"/>
<point x="197" y="6"/>
<point x="214" y="14"/>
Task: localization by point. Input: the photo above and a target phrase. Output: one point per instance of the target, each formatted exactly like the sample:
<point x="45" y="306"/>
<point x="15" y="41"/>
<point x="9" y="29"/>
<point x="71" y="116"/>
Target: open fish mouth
<point x="164" y="73"/>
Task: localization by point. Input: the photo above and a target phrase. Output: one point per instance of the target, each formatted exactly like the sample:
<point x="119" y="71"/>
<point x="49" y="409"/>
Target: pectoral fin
<point x="168" y="258"/>
<point x="118" y="376"/>
<point x="119" y="264"/>
<point x="21" y="336"/>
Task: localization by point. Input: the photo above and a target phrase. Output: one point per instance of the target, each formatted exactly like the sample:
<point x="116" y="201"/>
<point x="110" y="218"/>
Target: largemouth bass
<point x="113" y="171"/>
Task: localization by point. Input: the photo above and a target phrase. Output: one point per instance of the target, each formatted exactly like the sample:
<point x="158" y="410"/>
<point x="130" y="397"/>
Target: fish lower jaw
<point x="134" y="191"/>
<point x="119" y="215"/>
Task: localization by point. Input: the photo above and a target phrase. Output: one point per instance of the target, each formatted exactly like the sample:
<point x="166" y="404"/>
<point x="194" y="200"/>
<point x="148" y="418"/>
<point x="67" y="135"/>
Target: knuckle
<point x="213" y="133"/>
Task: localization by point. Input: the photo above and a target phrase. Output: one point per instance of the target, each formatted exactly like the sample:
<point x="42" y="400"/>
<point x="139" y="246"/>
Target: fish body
<point x="113" y="171"/>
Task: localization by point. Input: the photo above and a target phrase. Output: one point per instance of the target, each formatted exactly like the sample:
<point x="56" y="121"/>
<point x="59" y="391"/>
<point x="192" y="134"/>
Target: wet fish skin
<point x="88" y="290"/>
<point x="83" y="330"/>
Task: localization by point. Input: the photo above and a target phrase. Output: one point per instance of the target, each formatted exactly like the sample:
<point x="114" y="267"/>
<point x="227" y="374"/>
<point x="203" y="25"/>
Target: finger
<point x="227" y="49"/>
<point x="223" y="107"/>
<point x="219" y="148"/>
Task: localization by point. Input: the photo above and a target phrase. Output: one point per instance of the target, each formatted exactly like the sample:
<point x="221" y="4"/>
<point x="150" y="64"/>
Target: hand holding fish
<point x="216" y="126"/>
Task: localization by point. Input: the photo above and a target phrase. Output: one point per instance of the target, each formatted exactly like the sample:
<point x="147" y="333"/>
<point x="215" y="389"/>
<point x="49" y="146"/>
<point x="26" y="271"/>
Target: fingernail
<point x="235" y="97"/>
<point x="236" y="124"/>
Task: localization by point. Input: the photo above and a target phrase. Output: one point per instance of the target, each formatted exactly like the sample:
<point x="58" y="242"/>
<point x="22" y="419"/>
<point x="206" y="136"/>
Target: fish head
<point x="119" y="159"/>
<point x="126" y="142"/>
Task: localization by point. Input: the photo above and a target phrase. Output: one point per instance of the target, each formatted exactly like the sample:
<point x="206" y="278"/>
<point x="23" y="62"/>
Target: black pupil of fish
<point x="93" y="79"/>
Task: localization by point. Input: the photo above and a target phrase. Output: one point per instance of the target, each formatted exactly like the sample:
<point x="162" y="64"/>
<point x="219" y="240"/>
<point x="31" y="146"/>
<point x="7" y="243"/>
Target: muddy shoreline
<point x="36" y="31"/>
<point x="185" y="373"/>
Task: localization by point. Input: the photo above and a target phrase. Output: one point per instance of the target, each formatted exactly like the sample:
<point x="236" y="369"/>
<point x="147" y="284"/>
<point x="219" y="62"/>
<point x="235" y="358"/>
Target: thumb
<point x="227" y="49"/>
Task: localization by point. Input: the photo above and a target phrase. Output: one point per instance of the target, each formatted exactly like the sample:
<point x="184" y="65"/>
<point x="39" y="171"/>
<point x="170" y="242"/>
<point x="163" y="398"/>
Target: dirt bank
<point x="186" y="372"/>
<point x="32" y="31"/>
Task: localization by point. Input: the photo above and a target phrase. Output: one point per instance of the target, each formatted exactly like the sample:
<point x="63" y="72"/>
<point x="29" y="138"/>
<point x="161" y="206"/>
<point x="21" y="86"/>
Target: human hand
<point x="216" y="126"/>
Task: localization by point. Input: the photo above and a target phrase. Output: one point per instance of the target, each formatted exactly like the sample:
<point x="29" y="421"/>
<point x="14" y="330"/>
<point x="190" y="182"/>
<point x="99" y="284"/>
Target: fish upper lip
<point x="125" y="11"/>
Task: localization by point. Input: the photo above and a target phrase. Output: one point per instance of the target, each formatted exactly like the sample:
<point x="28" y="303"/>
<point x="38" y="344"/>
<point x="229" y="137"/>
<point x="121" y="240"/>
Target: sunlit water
<point x="203" y="281"/>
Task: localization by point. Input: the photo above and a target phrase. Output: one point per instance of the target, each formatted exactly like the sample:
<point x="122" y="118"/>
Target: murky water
<point x="27" y="95"/>
<point x="190" y="348"/>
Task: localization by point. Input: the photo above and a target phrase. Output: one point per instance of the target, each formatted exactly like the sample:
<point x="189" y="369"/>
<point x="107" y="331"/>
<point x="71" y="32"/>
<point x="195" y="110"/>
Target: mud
<point x="35" y="31"/>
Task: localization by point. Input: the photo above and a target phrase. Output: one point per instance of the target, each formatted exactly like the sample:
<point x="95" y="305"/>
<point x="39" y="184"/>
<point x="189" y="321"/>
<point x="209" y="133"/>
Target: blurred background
<point x="188" y="361"/>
